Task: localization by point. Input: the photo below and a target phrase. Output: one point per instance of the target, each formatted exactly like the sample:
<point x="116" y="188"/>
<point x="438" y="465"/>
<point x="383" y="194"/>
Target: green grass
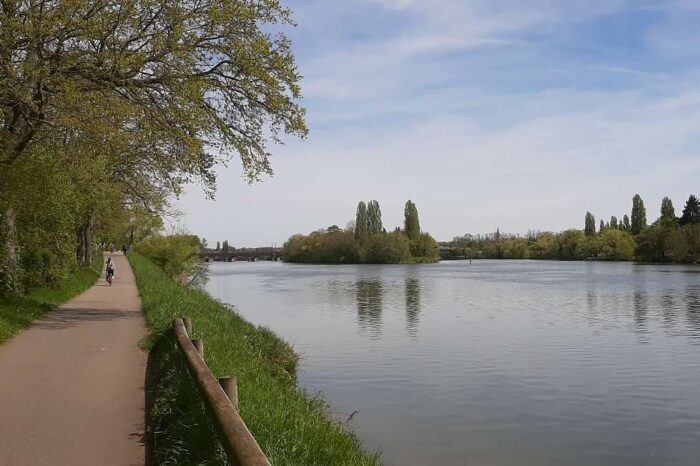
<point x="17" y="313"/>
<point x="291" y="426"/>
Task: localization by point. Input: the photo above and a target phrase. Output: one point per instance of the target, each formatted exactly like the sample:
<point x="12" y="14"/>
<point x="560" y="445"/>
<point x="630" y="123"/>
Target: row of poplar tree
<point x="107" y="109"/>
<point x="366" y="240"/>
<point x="637" y="221"/>
<point x="668" y="239"/>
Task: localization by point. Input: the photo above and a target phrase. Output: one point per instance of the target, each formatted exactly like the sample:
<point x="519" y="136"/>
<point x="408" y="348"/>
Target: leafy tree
<point x="602" y="226"/>
<point x="615" y="245"/>
<point x="411" y="223"/>
<point x="361" y="224"/>
<point x="218" y="246"/>
<point x="639" y="215"/>
<point x="668" y="213"/>
<point x="613" y="222"/>
<point x="691" y="211"/>
<point x="571" y="244"/>
<point x="374" y="218"/>
<point x="387" y="248"/>
<point x="589" y="228"/>
<point x="626" y="223"/>
<point x="225" y="246"/>
<point x="130" y="100"/>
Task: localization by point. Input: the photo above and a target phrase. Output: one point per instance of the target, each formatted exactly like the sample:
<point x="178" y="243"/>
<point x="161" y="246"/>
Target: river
<point x="493" y="362"/>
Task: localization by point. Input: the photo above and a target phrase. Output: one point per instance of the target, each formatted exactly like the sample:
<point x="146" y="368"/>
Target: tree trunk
<point x="9" y="257"/>
<point x="84" y="242"/>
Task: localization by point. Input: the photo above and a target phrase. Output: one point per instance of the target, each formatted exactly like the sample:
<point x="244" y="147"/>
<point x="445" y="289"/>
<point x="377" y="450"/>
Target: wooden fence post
<point x="231" y="389"/>
<point x="199" y="346"/>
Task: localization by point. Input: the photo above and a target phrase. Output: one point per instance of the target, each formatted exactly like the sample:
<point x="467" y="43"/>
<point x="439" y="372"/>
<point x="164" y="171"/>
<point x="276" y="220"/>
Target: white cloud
<point x="468" y="108"/>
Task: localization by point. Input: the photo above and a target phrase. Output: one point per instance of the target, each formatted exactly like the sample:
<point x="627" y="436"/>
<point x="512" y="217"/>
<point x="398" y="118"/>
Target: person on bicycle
<point x="109" y="271"/>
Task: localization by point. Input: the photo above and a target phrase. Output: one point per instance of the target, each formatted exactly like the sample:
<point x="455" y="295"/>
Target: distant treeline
<point x="668" y="239"/>
<point x="365" y="241"/>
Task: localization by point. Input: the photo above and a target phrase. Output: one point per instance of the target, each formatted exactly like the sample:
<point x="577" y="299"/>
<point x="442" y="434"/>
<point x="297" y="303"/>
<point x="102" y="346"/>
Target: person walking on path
<point x="72" y="384"/>
<point x="125" y="249"/>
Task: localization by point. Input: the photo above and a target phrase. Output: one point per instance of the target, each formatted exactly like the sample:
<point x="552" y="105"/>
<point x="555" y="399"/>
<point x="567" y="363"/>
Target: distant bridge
<point x="242" y="254"/>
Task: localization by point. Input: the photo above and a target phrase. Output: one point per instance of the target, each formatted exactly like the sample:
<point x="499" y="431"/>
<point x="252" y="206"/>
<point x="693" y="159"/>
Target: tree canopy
<point x="114" y="106"/>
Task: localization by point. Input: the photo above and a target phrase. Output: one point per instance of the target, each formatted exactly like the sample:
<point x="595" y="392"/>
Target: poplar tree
<point x="691" y="211"/>
<point x="613" y="222"/>
<point x="361" y="225"/>
<point x="668" y="213"/>
<point x="639" y="215"/>
<point x="602" y="226"/>
<point x="589" y="228"/>
<point x="374" y="218"/>
<point x="411" y="223"/>
<point x="626" y="222"/>
<point x="218" y="246"/>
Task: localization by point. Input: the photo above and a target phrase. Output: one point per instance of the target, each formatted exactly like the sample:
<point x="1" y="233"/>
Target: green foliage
<point x="568" y="245"/>
<point x="411" y="223"/>
<point x="589" y="228"/>
<point x="615" y="245"/>
<point x="369" y="243"/>
<point x="424" y="248"/>
<point x="374" y="218"/>
<point x="387" y="248"/>
<point x="18" y="312"/>
<point x="177" y="255"/>
<point x="668" y="213"/>
<point x="361" y="224"/>
<point x="290" y="426"/>
<point x="691" y="211"/>
<point x="626" y="223"/>
<point x="639" y="215"/>
<point x="322" y="247"/>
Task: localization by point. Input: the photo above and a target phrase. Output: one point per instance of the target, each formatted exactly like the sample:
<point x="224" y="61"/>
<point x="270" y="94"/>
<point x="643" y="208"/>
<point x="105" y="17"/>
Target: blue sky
<point x="501" y="113"/>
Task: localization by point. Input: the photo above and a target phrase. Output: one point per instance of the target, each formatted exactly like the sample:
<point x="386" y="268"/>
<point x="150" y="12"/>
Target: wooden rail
<point x="221" y="399"/>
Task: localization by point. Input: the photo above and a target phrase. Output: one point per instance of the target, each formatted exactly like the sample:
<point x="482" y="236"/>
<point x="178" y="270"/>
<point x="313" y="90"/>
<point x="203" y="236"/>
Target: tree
<point x="668" y="213"/>
<point x="411" y="223"/>
<point x="589" y="228"/>
<point x="626" y="223"/>
<point x="374" y="218"/>
<point x="602" y="226"/>
<point x="142" y="96"/>
<point x="198" y="73"/>
<point x="361" y="224"/>
<point x="639" y="215"/>
<point x="613" y="222"/>
<point x="691" y="211"/>
<point x="224" y="246"/>
<point x="218" y="246"/>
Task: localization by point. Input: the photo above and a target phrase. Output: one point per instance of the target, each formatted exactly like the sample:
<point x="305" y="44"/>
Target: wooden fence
<point x="221" y="399"/>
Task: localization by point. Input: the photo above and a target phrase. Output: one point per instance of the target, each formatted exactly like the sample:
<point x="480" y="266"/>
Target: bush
<point x="177" y="255"/>
<point x="387" y="248"/>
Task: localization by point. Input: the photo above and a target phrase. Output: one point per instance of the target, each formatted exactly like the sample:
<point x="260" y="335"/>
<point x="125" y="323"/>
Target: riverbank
<point x="290" y="426"/>
<point x="17" y="313"/>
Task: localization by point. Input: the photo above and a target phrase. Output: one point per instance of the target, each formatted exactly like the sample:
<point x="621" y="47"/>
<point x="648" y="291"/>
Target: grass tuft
<point x="291" y="426"/>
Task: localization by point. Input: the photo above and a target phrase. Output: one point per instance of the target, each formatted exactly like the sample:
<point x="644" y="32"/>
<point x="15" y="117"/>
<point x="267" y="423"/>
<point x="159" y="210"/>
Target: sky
<point x="486" y="113"/>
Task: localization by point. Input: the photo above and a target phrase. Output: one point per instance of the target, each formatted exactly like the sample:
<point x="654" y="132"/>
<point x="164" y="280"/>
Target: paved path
<point x="72" y="384"/>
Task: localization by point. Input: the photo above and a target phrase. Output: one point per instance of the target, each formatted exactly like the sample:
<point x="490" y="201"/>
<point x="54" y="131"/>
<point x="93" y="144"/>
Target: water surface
<point x="494" y="362"/>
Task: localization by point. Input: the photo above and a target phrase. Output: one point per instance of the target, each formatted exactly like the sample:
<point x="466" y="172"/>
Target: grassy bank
<point x="17" y="313"/>
<point x="291" y="427"/>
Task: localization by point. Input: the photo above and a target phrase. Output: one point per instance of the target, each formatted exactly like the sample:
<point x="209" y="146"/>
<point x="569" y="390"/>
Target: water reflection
<point x="369" y="294"/>
<point x="412" y="291"/>
<point x="640" y="310"/>
<point x="692" y="297"/>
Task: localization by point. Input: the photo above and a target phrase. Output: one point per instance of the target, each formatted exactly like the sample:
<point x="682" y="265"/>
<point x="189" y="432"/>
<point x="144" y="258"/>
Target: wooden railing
<point x="221" y="399"/>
